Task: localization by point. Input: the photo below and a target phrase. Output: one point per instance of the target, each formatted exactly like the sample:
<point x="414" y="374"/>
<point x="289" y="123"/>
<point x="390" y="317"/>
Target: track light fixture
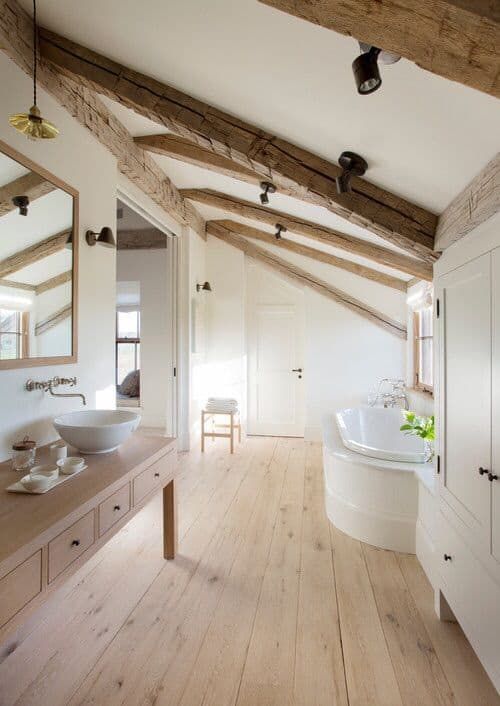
<point x="22" y="203"/>
<point x="105" y="237"/>
<point x="279" y="230"/>
<point x="352" y="165"/>
<point x="366" y="70"/>
<point x="205" y="287"/>
<point x="267" y="188"/>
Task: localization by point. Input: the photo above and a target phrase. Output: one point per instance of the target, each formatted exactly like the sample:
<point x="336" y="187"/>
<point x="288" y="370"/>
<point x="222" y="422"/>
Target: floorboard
<point x="266" y="605"/>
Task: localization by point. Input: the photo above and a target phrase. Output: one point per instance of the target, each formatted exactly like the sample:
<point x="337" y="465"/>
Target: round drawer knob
<point x="75" y="543"/>
<point x="116" y="508"/>
<point x="447" y="557"/>
<point x="482" y="471"/>
<point x="492" y="477"/>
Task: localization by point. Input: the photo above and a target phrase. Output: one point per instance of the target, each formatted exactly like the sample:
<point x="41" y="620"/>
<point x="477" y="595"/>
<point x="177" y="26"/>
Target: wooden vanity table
<point x="45" y="538"/>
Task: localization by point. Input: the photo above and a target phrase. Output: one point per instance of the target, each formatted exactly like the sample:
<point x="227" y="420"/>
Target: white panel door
<point x="276" y="369"/>
<point x="465" y="321"/>
<point x="495" y="410"/>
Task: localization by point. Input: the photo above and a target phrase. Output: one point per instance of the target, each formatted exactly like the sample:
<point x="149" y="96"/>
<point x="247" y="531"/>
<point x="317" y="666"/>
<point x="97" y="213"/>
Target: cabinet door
<point x="465" y="384"/>
<point x="495" y="410"/>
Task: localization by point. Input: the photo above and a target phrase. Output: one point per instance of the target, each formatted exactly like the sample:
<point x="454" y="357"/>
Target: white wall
<point x="345" y="353"/>
<point x="78" y="159"/>
<point x="150" y="269"/>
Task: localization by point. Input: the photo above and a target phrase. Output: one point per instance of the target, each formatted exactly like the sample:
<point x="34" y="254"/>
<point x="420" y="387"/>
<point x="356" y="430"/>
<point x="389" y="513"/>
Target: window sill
<point x="423" y="391"/>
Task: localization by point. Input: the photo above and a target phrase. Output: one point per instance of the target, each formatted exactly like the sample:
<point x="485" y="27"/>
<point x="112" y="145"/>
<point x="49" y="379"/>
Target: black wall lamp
<point x="366" y="70"/>
<point x="279" y="230"/>
<point x="205" y="287"/>
<point x="352" y="165"/>
<point x="267" y="188"/>
<point x="105" y="237"/>
<point x="22" y="203"/>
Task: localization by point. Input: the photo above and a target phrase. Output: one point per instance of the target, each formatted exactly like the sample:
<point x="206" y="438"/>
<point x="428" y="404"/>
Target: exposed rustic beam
<point x="17" y="285"/>
<point x="365" y="248"/>
<point x="54" y="282"/>
<point x="308" y="280"/>
<point x="16" y="40"/>
<point x="31" y="185"/>
<point x="294" y="170"/>
<point x="56" y="318"/>
<point x="183" y="150"/>
<point x="319" y="255"/>
<point x="456" y="39"/>
<point x="413" y="282"/>
<point x="147" y="239"/>
<point x="33" y="253"/>
<point x="475" y="204"/>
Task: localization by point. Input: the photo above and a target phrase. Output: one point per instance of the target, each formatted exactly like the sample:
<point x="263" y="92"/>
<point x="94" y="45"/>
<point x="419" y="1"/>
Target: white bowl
<point x="97" y="431"/>
<point x="46" y="469"/>
<point x="36" y="482"/>
<point x="70" y="465"/>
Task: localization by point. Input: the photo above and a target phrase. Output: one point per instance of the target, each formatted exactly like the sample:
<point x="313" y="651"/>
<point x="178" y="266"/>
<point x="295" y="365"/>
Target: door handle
<point x="492" y="477"/>
<point x="483" y="471"/>
<point x="296" y="370"/>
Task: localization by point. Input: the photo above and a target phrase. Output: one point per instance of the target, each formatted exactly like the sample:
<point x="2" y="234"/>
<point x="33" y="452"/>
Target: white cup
<point x="58" y="451"/>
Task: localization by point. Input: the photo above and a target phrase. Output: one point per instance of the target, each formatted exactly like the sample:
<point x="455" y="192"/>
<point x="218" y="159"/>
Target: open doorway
<point x="145" y="319"/>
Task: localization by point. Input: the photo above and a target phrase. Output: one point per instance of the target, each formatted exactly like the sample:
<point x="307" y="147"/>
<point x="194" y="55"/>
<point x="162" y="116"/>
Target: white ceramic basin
<point x="96" y="431"/>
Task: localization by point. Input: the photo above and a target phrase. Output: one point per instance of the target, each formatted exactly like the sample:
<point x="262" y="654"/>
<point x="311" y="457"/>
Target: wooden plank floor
<point x="266" y="605"/>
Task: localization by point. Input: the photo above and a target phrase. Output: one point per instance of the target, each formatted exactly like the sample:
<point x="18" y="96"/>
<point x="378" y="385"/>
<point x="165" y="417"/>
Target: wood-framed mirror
<point x="38" y="265"/>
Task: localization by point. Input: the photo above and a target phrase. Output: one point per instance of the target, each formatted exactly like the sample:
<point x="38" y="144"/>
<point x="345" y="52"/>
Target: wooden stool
<point x="233" y="417"/>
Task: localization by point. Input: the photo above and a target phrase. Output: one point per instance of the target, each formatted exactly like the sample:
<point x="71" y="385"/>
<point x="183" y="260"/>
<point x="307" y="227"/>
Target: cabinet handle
<point x="75" y="543"/>
<point x="157" y="475"/>
<point x="492" y="477"/>
<point x="116" y="507"/>
<point x="482" y="471"/>
<point x="447" y="557"/>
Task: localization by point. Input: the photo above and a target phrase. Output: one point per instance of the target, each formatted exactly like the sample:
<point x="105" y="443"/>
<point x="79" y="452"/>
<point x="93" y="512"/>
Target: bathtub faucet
<point x="392" y="397"/>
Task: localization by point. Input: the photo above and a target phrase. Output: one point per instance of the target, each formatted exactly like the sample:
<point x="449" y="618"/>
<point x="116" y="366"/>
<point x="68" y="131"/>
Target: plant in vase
<point x="422" y="427"/>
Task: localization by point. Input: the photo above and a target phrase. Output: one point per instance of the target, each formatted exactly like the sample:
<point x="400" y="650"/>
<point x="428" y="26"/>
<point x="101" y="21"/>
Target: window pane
<point x="425" y="372"/>
<point x="125" y="360"/>
<point x="128" y="324"/>
<point x="9" y="346"/>
<point x="425" y="322"/>
<point x="9" y="320"/>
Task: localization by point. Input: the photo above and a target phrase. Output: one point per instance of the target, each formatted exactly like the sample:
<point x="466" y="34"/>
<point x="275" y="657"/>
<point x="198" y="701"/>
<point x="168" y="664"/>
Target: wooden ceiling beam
<point x="365" y="248"/>
<point x="56" y="318"/>
<point x="318" y="255"/>
<point x="33" y="253"/>
<point x="475" y="204"/>
<point x="31" y="185"/>
<point x="16" y="40"/>
<point x="54" y="282"/>
<point x="17" y="285"/>
<point x="184" y="150"/>
<point x="456" y="39"/>
<point x="294" y="170"/>
<point x="305" y="279"/>
<point x="146" y="239"/>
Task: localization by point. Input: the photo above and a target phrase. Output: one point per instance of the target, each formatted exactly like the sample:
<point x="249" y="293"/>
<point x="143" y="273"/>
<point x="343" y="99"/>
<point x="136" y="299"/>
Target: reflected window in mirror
<point x="38" y="261"/>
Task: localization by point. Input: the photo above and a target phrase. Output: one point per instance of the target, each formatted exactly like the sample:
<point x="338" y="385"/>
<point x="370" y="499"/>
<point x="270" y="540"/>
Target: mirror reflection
<point x="36" y="265"/>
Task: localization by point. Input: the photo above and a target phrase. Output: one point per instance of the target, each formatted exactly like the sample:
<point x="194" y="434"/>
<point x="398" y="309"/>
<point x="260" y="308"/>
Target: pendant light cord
<point x="34" y="52"/>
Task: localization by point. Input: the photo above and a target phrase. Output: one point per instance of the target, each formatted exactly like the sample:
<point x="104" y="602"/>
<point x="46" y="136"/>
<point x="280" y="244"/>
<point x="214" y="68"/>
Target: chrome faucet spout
<point x="68" y="394"/>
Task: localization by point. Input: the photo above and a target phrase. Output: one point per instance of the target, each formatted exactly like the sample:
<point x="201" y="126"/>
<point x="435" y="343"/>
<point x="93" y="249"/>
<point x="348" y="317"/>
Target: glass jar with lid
<point x="23" y="454"/>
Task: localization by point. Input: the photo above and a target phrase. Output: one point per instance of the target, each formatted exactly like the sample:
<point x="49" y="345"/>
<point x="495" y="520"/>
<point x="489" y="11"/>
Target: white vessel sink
<point x="96" y="431"/>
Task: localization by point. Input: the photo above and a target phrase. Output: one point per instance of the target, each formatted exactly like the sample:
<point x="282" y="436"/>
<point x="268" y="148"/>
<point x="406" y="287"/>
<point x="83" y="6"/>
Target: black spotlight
<point x="267" y="188"/>
<point x="22" y="203"/>
<point x="366" y="73"/>
<point x="352" y="165"/>
<point x="279" y="230"/>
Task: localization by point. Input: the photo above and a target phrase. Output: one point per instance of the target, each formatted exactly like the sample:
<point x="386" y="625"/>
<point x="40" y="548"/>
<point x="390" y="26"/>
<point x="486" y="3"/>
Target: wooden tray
<point x="19" y="487"/>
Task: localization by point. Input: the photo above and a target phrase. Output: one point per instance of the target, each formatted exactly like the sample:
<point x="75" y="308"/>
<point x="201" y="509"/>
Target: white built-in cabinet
<point x="468" y="364"/>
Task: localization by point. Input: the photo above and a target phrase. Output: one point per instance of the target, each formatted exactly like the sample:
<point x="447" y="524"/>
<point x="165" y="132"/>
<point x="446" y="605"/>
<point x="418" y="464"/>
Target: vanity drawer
<point x="153" y="477"/>
<point x="20" y="586"/>
<point x="113" y="509"/>
<point x="70" y="544"/>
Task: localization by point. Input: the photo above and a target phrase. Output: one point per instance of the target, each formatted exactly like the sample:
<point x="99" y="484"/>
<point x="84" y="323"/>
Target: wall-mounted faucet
<point x="49" y="385"/>
<point x="391" y="398"/>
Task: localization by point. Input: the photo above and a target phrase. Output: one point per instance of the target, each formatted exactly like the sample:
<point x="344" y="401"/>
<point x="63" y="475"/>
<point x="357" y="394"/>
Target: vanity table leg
<point x="169" y="521"/>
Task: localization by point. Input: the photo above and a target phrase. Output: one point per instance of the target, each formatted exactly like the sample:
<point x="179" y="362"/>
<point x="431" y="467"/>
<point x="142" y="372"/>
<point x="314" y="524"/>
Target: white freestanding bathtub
<point x="371" y="476"/>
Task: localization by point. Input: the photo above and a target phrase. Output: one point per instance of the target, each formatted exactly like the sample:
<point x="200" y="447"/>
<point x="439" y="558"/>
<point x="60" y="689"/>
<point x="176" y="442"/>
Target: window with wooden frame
<point x="128" y="343"/>
<point x="14" y="334"/>
<point x="423" y="349"/>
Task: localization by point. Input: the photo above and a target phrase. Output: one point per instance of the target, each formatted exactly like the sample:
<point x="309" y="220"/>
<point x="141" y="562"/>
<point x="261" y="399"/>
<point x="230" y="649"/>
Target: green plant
<point x="419" y="426"/>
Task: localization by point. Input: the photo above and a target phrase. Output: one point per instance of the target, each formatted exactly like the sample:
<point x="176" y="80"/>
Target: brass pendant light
<point x="32" y="124"/>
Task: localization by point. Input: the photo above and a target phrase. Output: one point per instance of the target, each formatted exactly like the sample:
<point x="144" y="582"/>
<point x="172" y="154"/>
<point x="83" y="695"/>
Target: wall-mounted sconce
<point x="105" y="237"/>
<point x="267" y="188"/>
<point x="205" y="287"/>
<point x="22" y="203"/>
<point x="279" y="230"/>
<point x="352" y="165"/>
